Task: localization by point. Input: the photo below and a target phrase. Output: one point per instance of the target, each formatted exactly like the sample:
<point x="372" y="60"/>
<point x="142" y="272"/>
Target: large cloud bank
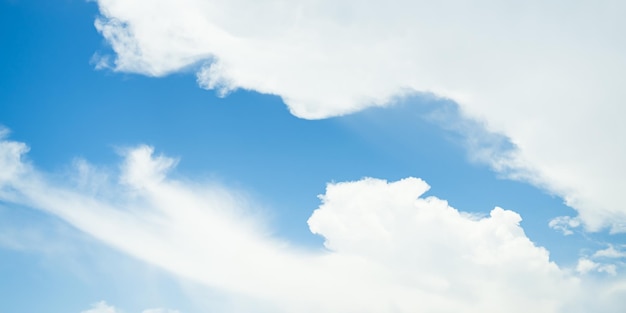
<point x="546" y="74"/>
<point x="388" y="248"/>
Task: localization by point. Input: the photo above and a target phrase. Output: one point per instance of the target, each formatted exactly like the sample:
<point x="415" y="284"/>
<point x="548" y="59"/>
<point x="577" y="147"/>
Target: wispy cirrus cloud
<point x="103" y="307"/>
<point x="389" y="249"/>
<point x="545" y="75"/>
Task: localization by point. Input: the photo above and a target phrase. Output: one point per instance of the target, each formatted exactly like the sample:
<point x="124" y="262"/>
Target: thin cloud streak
<point x="103" y="307"/>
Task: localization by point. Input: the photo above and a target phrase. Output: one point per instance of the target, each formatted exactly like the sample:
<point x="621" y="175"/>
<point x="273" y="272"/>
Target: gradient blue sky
<point x="54" y="100"/>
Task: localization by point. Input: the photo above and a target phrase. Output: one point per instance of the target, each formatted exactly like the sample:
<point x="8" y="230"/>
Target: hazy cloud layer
<point x="388" y="248"/>
<point x="546" y="74"/>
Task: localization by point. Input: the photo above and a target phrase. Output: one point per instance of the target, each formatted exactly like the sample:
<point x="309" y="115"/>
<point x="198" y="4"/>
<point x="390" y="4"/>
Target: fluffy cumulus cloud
<point x="545" y="74"/>
<point x="602" y="261"/>
<point x="388" y="248"/>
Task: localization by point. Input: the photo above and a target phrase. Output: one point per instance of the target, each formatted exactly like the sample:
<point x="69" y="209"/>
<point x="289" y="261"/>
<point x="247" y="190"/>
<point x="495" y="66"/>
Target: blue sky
<point x="266" y="153"/>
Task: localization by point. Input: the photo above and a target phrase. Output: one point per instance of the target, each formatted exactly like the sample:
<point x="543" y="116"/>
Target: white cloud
<point x="101" y="307"/>
<point x="610" y="269"/>
<point x="545" y="74"/>
<point x="10" y="158"/>
<point x="610" y="252"/>
<point x="565" y="224"/>
<point x="160" y="311"/>
<point x="389" y="249"/>
<point x="602" y="261"/>
<point x="585" y="266"/>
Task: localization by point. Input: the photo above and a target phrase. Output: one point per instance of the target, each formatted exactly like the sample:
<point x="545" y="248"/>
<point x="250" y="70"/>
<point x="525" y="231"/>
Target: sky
<point x="311" y="156"/>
